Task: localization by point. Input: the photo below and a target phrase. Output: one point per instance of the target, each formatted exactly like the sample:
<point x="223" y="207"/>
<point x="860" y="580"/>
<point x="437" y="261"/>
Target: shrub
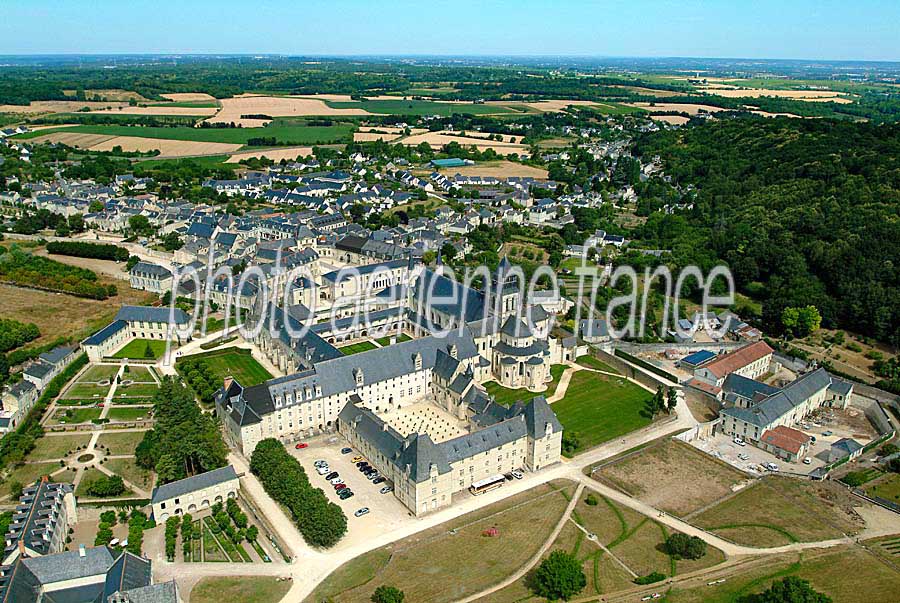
<point x="591" y="500"/>
<point x="559" y="577"/>
<point x="387" y="594"/>
<point x="108" y="517"/>
<point x="682" y="546"/>
<point x="650" y="578"/>
<point x="106" y="486"/>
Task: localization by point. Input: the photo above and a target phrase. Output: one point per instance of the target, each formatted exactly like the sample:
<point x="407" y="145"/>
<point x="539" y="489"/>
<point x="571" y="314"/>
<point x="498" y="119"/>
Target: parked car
<point x="321" y="462"/>
<point x="744" y="456"/>
<point x="361" y="512"/>
<point x="357" y="459"/>
<point x="339" y="487"/>
<point x="322" y="470"/>
<point x="336" y="481"/>
<point x="379" y="480"/>
<point x="508" y="476"/>
<point x="346" y="450"/>
<point x="386" y="489"/>
<point x="332" y="475"/>
<point x="807" y="461"/>
<point x="362" y="463"/>
<point x="301" y="445"/>
<point x="827" y="433"/>
<point x="739" y="441"/>
<point x="517" y="474"/>
<point x="345" y="494"/>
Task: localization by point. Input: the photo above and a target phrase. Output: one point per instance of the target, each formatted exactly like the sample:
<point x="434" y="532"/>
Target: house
<point x="594" y="331"/>
<point x="785" y="443"/>
<point x="41" y="521"/>
<point x="48" y="365"/>
<point x="750" y="361"/>
<point x="195" y="493"/>
<point x="88" y="575"/>
<point x="17" y="400"/>
<point x="844" y="448"/>
<point x="150" y="277"/>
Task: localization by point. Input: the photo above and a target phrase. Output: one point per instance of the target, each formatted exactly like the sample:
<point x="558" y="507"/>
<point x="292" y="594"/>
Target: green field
<point x="209" y="161"/>
<point x="591" y="362"/>
<point x="386" y="341"/>
<point x="887" y="487"/>
<point x="56" y="447"/>
<point x="129" y="471"/>
<point x="284" y="131"/>
<point x="248" y="589"/>
<point x="237" y="363"/>
<point x="80" y="390"/>
<point x="123" y="442"/>
<point x="137" y="390"/>
<point x="507" y="397"/>
<point x="100" y="372"/>
<point x="599" y="408"/>
<point x="356" y="348"/>
<point x="137" y="348"/>
<point x="70" y="416"/>
<point x="418" y="107"/>
<point x="128" y="413"/>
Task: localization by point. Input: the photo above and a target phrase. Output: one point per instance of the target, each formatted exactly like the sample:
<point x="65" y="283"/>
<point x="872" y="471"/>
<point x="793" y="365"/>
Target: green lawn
<point x="90" y="476"/>
<point x="56" y="447"/>
<point x="386" y="341"/>
<point x="598" y="408"/>
<point x="27" y="474"/>
<point x="128" y="413"/>
<point x="591" y="362"/>
<point x="284" y="131"/>
<point x="137" y="348"/>
<point x="507" y="397"/>
<point x="887" y="487"/>
<point x="86" y="391"/>
<point x="247" y="589"/>
<point x="70" y="416"/>
<point x="137" y="373"/>
<point x="418" y="107"/>
<point x="143" y="390"/>
<point x="121" y="443"/>
<point x="237" y="363"/>
<point x="129" y="471"/>
<point x="356" y="348"/>
<point x="100" y="372"/>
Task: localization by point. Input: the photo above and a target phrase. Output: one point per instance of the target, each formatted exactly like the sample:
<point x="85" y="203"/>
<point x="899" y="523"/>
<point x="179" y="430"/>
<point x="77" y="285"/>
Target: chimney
<point x="454" y="353"/>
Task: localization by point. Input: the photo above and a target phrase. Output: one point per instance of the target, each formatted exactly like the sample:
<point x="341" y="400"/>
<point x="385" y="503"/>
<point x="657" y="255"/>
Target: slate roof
<point x="148" y="269"/>
<point x="738" y="386"/>
<point x="164" y="592"/>
<point x="192" y="484"/>
<point x="106" y="332"/>
<point x="58" y="354"/>
<point x="150" y="314"/>
<point x="783" y="401"/>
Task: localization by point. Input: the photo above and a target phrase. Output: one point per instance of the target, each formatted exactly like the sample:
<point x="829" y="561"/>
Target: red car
<point x="301" y="445"/>
<point x="338" y="487"/>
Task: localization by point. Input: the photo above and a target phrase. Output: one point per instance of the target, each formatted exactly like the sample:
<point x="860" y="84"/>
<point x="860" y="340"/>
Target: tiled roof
<point x="733" y="361"/>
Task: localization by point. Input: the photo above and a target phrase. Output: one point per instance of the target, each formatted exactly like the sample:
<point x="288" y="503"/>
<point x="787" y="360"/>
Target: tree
<point x="252" y="533"/>
<point x="788" y="590"/>
<point x="671" y="399"/>
<point x="140" y="225"/>
<point x="682" y="546"/>
<point x="96" y="207"/>
<point x="559" y="577"/>
<point x="387" y="594"/>
<point x="448" y="251"/>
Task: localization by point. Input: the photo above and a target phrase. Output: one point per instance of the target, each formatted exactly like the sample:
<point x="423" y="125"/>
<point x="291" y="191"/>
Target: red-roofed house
<point x="785" y="443"/>
<point x="750" y="361"/>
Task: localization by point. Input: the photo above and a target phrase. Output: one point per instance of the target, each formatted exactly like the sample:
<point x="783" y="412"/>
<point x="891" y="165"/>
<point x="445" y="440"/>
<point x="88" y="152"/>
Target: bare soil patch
<point x="498" y="169"/>
<point x="689" y="108"/>
<point x="186" y="97"/>
<point x="373" y="136"/>
<point x="78" y="140"/>
<point x="439" y="139"/>
<point x="166" y="148"/>
<point x="59" y="106"/>
<point x="813" y="96"/>
<point x="289" y="153"/>
<point x="188" y="111"/>
<point x="673" y="477"/>
<point x="274" y="106"/>
<point x="672" y="119"/>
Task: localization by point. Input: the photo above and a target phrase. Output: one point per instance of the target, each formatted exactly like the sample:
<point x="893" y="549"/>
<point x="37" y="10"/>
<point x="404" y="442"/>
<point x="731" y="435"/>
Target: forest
<point x="803" y="211"/>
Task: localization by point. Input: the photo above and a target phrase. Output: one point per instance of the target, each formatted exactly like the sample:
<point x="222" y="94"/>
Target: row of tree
<point x="322" y="523"/>
<point x="14" y="334"/>
<point x="96" y="251"/>
<point x="25" y="269"/>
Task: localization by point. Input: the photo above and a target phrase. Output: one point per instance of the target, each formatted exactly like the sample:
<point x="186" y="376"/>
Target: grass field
<point x="127" y="413"/>
<point x="121" y="443"/>
<point x="139" y="374"/>
<point x="672" y="476"/>
<point x="418" y="107"/>
<point x="137" y="348"/>
<point x="210" y="161"/>
<point x="56" y="447"/>
<point x="593" y="363"/>
<point x="139" y="390"/>
<point x="247" y="589"/>
<point x="887" y="487"/>
<point x="90" y="476"/>
<point x="129" y="471"/>
<point x="507" y="397"/>
<point x="456" y="563"/>
<point x="779" y="511"/>
<point x="100" y="372"/>
<point x="237" y="363"/>
<point x="84" y="391"/>
<point x="71" y="416"/>
<point x="386" y="341"/>
<point x="598" y="408"/>
<point x="842" y="573"/>
<point x="284" y="131"/>
<point x="356" y="348"/>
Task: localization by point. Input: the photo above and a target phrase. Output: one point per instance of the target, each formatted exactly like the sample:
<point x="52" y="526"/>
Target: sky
<point x="782" y="29"/>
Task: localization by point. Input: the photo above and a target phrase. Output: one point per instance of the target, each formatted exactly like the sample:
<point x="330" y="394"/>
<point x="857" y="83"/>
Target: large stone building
<point x="423" y="393"/>
<point x="750" y="361"/>
<point x="195" y="493"/>
<point x="40" y="524"/>
<point x="133" y="322"/>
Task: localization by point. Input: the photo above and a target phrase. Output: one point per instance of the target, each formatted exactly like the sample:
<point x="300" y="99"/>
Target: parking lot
<point x="722" y="446"/>
<point x="385" y="511"/>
